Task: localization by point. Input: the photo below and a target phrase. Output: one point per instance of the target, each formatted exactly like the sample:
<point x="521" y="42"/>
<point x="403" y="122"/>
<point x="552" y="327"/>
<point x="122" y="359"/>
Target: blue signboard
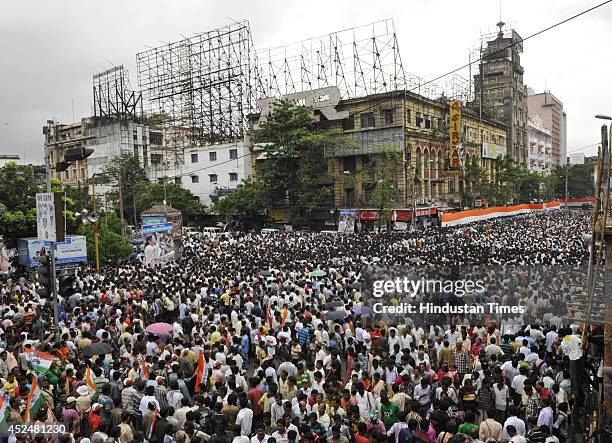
<point x="72" y="250"/>
<point x="158" y="227"/>
<point x="153" y="219"/>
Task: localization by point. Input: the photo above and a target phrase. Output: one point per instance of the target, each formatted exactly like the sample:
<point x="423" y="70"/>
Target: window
<point x="419" y="120"/>
<point x="156" y="159"/>
<point x="212" y="156"/>
<point x="195" y="179"/>
<point x="427" y="122"/>
<point x="155" y="138"/>
<point x="233" y="176"/>
<point x="213" y="178"/>
<point x="177" y="180"/>
<point x="367" y="120"/>
<point x="233" y="154"/>
<point x="194" y="158"/>
<point x="348" y="123"/>
<point x="387" y="116"/>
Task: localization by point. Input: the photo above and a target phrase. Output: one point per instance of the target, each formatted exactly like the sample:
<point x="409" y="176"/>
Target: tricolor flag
<point x="40" y="361"/>
<point x="35" y="402"/>
<point x="199" y="372"/>
<point x="150" y="434"/>
<point x="4" y="408"/>
<point x="145" y="370"/>
<point x="90" y="383"/>
<point x="284" y="319"/>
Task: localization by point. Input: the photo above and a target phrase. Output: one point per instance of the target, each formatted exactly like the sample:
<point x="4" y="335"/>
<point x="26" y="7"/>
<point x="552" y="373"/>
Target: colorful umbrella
<point x="318" y="273"/>
<point x="159" y="329"/>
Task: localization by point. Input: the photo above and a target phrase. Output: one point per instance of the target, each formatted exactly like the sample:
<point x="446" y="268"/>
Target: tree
<point x="293" y="169"/>
<point x="383" y="198"/>
<point x="248" y="199"/>
<point x="127" y="170"/>
<point x="17" y="202"/>
<point x="112" y="248"/>
<point x="579" y="180"/>
<point x="149" y="194"/>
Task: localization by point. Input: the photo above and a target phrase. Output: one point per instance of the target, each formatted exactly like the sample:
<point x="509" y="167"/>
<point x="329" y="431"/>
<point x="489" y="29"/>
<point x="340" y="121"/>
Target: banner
<point x="72" y="250"/>
<point x="489" y="150"/>
<point x="455" y="134"/>
<point x="475" y="215"/>
<point x="346" y="222"/>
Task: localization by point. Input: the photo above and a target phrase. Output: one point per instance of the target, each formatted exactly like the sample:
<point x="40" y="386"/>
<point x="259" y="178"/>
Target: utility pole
<point x="52" y="247"/>
<point x="566" y="183"/>
<point x="121" y="206"/>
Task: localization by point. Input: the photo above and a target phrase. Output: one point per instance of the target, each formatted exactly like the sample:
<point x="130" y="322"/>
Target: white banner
<point x="45" y="216"/>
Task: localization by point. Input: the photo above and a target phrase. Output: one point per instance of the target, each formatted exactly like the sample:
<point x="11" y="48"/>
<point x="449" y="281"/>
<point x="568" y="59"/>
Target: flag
<point x="90" y="383"/>
<point x="35" y="402"/>
<point x="150" y="434"/>
<point x="4" y="408"/>
<point x="284" y="319"/>
<point x="40" y="361"/>
<point x="199" y="372"/>
<point x="145" y="370"/>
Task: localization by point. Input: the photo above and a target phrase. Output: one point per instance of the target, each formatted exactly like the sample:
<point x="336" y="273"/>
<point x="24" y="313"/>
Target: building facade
<point x="500" y="91"/>
<point x="403" y="139"/>
<point x="540" y="146"/>
<point x="553" y="117"/>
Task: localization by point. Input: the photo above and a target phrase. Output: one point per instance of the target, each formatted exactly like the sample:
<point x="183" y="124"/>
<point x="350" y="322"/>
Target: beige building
<point x="550" y="109"/>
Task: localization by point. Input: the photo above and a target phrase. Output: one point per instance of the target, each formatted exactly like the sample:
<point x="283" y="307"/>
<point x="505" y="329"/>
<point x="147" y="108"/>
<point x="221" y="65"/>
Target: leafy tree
<point x="112" y="248"/>
<point x="579" y="183"/>
<point x="150" y="194"/>
<point x="383" y="198"/>
<point x="293" y="170"/>
<point x="17" y="202"/>
<point x="248" y="199"/>
<point x="127" y="170"/>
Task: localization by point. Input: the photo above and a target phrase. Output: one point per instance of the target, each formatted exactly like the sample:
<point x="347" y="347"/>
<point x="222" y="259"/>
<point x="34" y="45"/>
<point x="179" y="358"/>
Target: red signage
<point x="400" y="214"/>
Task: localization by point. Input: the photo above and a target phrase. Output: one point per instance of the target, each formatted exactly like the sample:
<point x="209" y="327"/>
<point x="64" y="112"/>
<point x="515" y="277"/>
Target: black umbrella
<point x="333" y="304"/>
<point x="335" y="315"/>
<point x="355" y="285"/>
<point x="265" y="273"/>
<point x="99" y="348"/>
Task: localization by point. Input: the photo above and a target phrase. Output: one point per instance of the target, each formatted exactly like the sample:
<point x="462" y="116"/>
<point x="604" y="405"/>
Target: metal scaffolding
<point x="113" y="96"/>
<point x="201" y="89"/>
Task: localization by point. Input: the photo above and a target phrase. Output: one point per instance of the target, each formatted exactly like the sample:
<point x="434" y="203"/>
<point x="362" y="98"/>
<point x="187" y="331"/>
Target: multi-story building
<point x="500" y="91"/>
<point x="416" y="130"/>
<point x="554" y="117"/>
<point x="540" y="146"/>
<point x="207" y="171"/>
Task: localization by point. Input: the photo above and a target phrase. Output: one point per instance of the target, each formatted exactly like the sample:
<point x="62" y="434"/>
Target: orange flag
<point x="285" y="312"/>
<point x="200" y="372"/>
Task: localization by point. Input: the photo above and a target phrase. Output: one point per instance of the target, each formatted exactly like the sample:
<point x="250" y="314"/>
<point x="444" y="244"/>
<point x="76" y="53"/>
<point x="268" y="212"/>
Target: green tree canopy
<point x="149" y="194"/>
<point x="111" y="246"/>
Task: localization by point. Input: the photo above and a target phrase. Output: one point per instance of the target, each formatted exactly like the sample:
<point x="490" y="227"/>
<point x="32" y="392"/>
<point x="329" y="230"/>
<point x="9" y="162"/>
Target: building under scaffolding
<point x="200" y="89"/>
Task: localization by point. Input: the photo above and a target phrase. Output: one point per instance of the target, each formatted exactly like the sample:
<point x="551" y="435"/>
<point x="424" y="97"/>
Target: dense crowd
<point x="269" y="338"/>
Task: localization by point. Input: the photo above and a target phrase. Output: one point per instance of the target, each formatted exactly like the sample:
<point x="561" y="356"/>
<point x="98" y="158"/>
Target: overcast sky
<point x="50" y="50"/>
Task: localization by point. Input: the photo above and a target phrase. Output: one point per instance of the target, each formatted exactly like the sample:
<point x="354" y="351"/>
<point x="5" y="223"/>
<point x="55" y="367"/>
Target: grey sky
<point x="50" y="50"/>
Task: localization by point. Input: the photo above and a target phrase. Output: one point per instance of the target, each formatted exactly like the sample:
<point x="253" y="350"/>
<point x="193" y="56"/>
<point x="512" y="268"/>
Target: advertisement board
<point x="346" y="222"/>
<point x="455" y="134"/>
<point x="157" y="227"/>
<point x="489" y="150"/>
<point x="72" y="250"/>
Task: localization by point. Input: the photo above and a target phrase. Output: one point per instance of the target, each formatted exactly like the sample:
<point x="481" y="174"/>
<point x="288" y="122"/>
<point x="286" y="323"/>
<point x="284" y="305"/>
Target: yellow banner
<point x="455" y="133"/>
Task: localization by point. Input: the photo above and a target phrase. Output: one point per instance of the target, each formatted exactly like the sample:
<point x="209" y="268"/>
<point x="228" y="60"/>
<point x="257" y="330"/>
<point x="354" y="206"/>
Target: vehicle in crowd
<point x="211" y="232"/>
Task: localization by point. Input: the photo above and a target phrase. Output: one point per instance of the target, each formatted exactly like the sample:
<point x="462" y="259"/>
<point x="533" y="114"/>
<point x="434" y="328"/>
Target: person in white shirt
<point x="244" y="419"/>
<point x="513" y="422"/>
<point x="260" y="435"/>
<point x="551" y="338"/>
<point x="514" y="436"/>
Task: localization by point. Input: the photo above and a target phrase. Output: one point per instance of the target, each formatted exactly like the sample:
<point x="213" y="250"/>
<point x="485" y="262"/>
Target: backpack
<point x="405" y="436"/>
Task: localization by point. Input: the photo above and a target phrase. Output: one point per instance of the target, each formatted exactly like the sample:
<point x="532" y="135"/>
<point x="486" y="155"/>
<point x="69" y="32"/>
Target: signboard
<point x="400" y="214"/>
<point x="489" y="150"/>
<point x="72" y="250"/>
<point x="455" y="133"/>
<point x="49" y="216"/>
<point x="400" y="226"/>
<point x="158" y="227"/>
<point x="346" y="222"/>
<point x="477" y="202"/>
<point x="153" y="219"/>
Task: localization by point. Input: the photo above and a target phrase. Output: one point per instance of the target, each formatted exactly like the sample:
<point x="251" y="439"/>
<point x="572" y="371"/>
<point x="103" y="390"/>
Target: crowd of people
<point x="269" y="338"/>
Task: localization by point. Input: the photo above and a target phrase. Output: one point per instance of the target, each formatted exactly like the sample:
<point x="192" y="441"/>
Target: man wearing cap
<point x="70" y="416"/>
<point x="83" y="402"/>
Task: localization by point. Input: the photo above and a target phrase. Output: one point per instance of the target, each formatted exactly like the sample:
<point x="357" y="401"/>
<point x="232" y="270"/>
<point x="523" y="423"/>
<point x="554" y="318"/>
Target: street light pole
<point x="52" y="248"/>
<point x="94" y="227"/>
<point x="566" y="183"/>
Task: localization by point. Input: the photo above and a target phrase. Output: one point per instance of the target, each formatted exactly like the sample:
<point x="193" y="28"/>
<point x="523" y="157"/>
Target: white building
<point x="540" y="146"/>
<point x="207" y="171"/>
<point x="9" y="158"/>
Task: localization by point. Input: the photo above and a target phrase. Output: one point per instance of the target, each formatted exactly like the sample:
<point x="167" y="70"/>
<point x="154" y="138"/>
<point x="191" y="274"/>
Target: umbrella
<point x="355" y="285"/>
<point x="335" y="315"/>
<point x="99" y="348"/>
<point x="318" y="273"/>
<point x="265" y="273"/>
<point x="333" y="304"/>
<point x="159" y="329"/>
<point x="362" y="310"/>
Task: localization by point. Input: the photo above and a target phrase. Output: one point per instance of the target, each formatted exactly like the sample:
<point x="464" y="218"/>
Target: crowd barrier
<point x="474" y="215"/>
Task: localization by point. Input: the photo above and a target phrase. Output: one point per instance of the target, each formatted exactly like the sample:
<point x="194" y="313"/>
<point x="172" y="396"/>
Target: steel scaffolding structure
<point x="360" y="61"/>
<point x="113" y="96"/>
<point x="201" y="89"/>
